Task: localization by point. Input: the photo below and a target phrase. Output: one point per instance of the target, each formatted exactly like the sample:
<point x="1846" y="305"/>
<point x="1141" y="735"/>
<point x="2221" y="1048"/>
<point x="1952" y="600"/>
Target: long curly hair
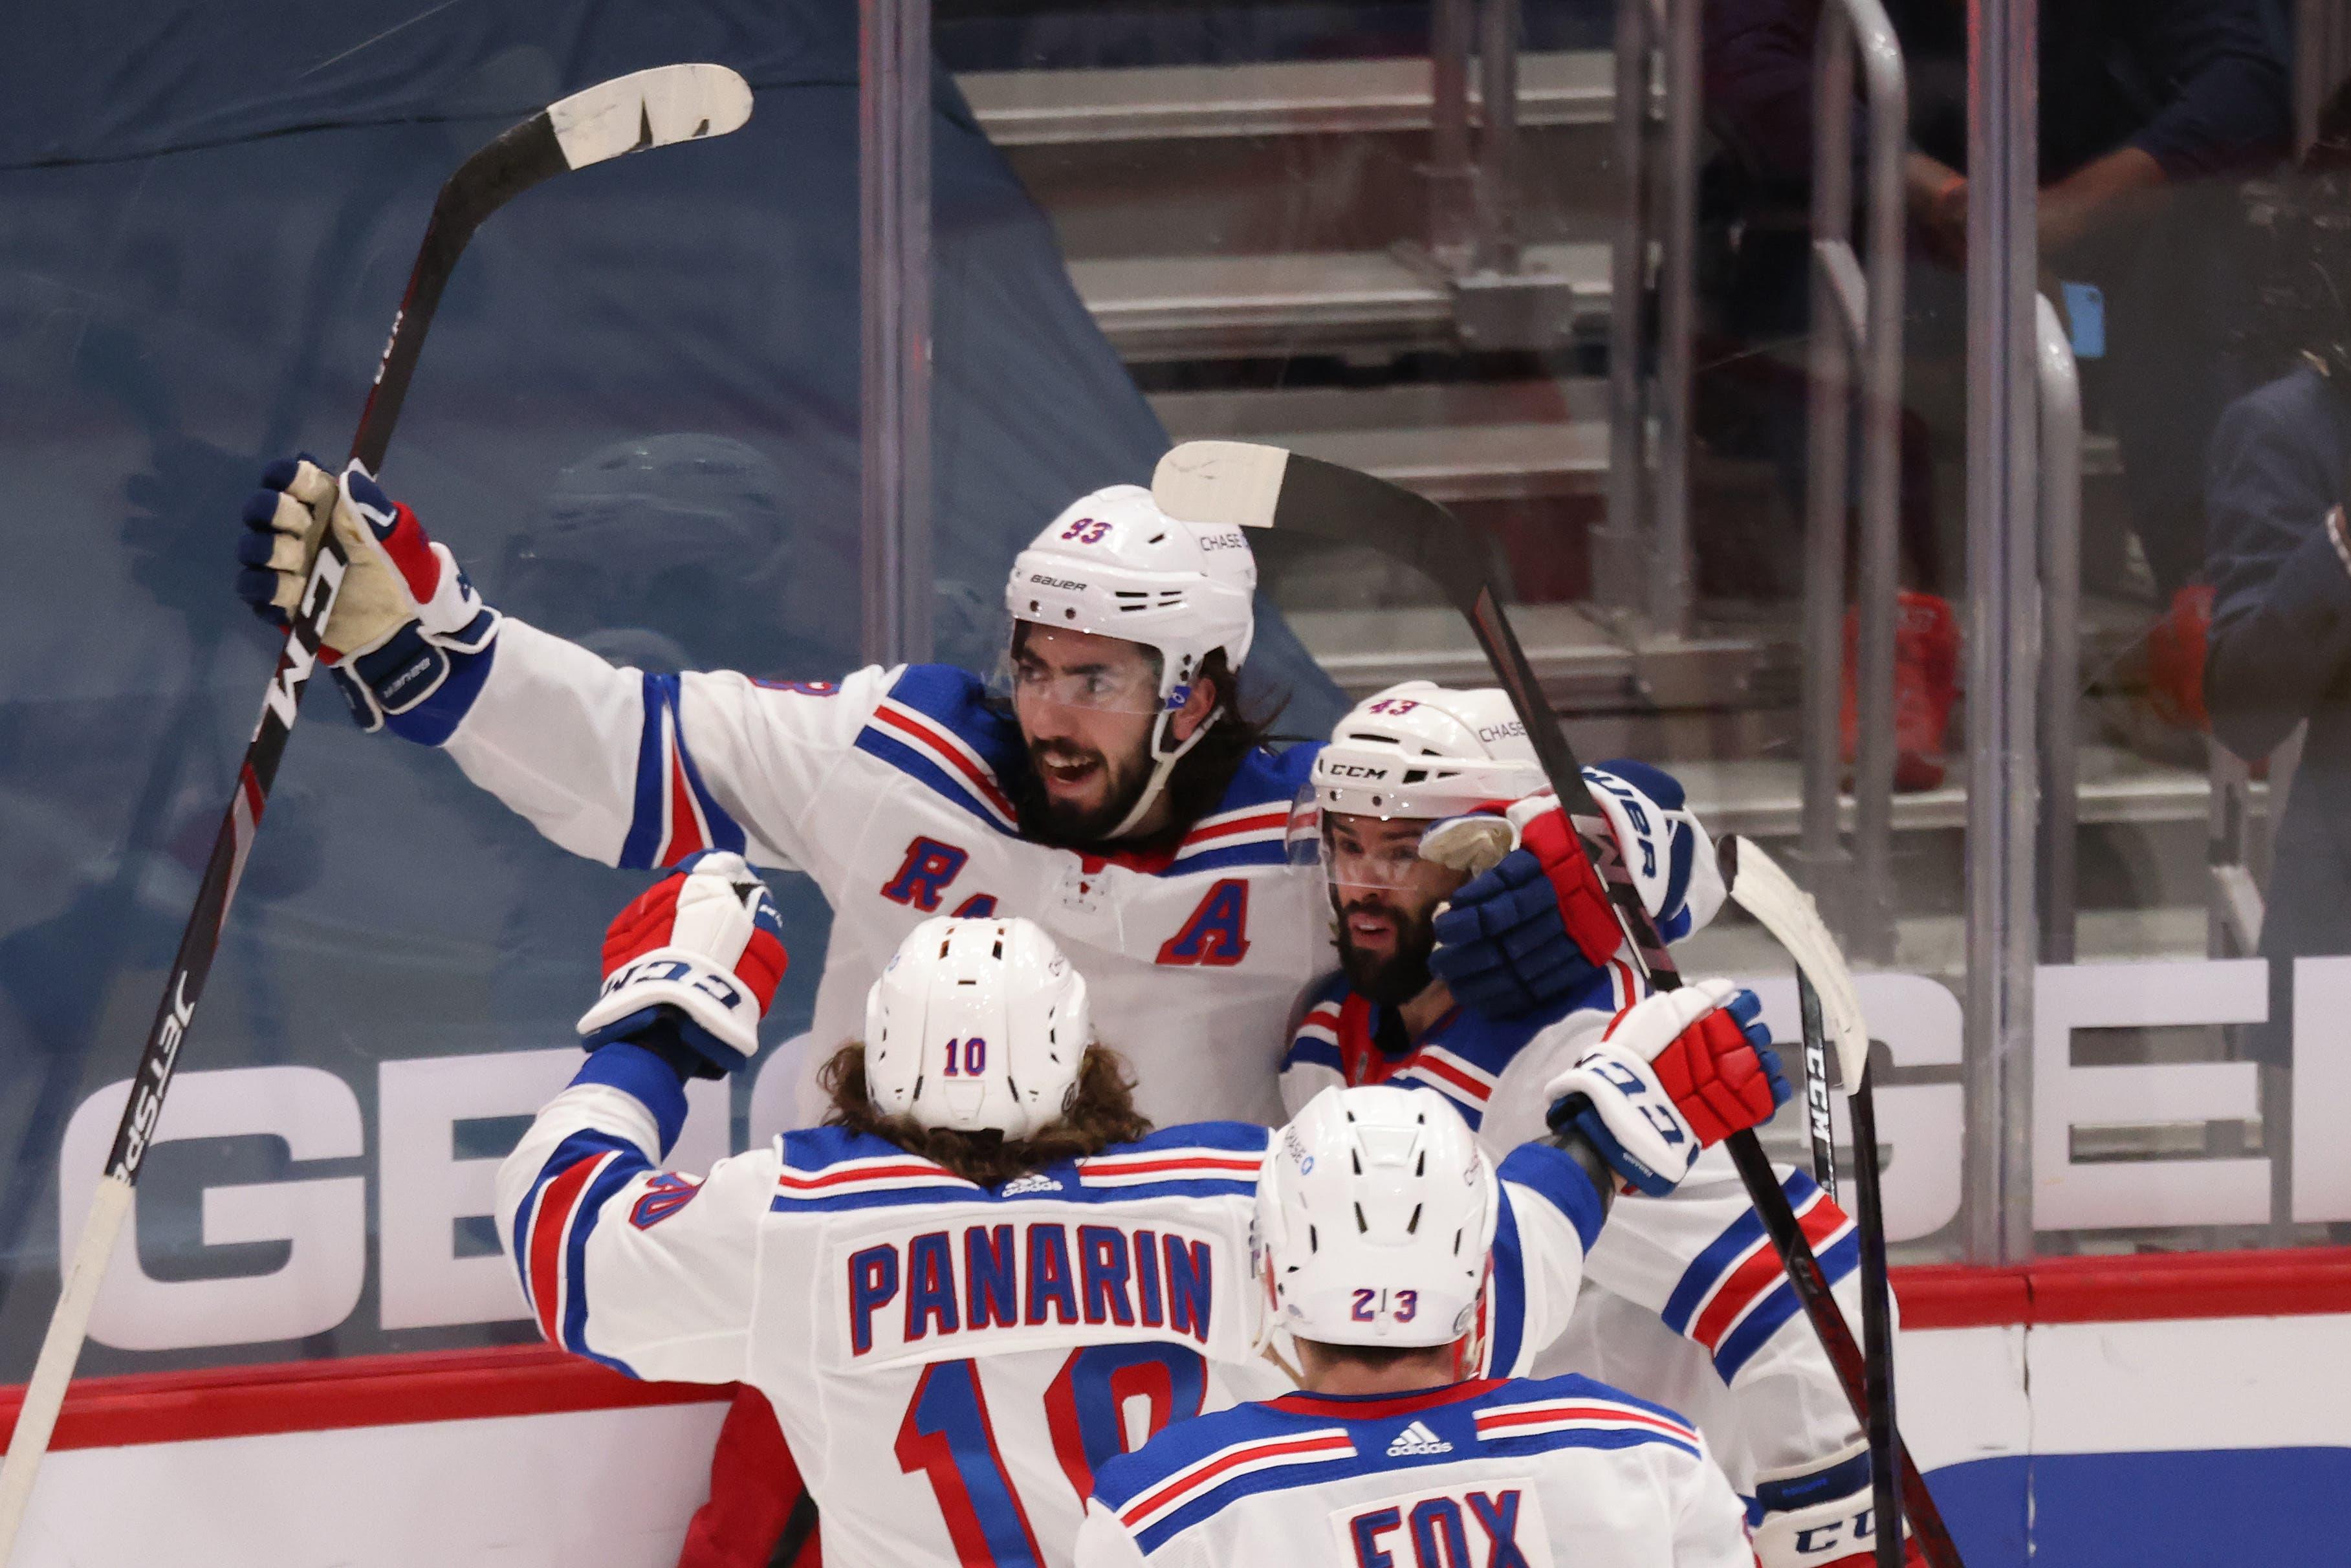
<point x="1101" y="1112"/>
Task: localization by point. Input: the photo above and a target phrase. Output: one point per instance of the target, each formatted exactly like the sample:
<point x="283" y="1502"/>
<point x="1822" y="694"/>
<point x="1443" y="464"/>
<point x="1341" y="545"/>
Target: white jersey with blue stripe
<point x="950" y="1363"/>
<point x="1695" y="1263"/>
<point x="1509" y="1473"/>
<point x="891" y="789"/>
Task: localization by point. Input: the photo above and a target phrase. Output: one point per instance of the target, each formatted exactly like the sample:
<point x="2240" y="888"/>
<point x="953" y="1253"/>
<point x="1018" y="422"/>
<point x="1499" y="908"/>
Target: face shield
<point x="1360" y="854"/>
<point x="1124" y="682"/>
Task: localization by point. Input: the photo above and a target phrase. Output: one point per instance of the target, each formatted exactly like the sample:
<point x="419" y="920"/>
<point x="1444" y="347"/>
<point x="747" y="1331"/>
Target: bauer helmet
<point x="1374" y="1213"/>
<point x="978" y="1026"/>
<point x="1115" y="565"/>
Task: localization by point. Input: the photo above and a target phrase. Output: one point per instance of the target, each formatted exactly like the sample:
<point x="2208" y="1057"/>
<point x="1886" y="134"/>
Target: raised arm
<point x="653" y="1272"/>
<point x="626" y="767"/>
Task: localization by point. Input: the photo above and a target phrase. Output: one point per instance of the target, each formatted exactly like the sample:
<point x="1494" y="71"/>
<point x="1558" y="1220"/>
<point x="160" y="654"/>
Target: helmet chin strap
<point x="1162" y="764"/>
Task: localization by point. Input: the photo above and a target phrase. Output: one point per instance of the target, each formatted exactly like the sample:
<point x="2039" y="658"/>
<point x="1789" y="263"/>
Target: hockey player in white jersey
<point x="985" y="1276"/>
<point x="1388" y="1457"/>
<point x="1121" y="799"/>
<point x="1685" y="1300"/>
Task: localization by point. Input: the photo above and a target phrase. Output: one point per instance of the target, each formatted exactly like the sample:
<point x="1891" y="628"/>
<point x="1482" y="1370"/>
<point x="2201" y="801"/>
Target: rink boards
<point x="2188" y="1409"/>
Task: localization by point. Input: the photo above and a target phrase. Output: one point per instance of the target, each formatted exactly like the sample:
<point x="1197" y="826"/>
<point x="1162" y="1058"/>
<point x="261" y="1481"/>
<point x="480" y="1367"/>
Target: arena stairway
<point x="1244" y="235"/>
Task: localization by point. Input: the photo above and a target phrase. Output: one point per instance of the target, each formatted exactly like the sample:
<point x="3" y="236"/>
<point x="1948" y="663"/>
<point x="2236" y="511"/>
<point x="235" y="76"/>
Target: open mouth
<point x="1066" y="775"/>
<point x="1371" y="928"/>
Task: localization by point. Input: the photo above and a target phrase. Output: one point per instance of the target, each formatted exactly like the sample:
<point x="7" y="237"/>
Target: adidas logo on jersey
<point x="1418" y="1439"/>
<point x="1035" y="1181"/>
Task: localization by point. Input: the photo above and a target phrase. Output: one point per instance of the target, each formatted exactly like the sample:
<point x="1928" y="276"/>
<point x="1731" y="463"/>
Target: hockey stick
<point x="1267" y="486"/>
<point x="1787" y="913"/>
<point x="646" y="109"/>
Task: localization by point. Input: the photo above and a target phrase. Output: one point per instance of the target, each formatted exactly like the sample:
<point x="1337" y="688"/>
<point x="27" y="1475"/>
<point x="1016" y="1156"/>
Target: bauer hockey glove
<point x="1671" y="1075"/>
<point x="690" y="966"/>
<point x="1534" y="924"/>
<point x="407" y="622"/>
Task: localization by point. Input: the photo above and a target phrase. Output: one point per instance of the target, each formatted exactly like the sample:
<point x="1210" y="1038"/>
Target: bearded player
<point x="1121" y="799"/>
<point x="1685" y="1302"/>
<point x="966" y="1290"/>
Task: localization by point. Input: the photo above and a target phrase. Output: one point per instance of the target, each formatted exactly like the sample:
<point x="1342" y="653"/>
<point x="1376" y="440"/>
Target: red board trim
<point x="539" y="1379"/>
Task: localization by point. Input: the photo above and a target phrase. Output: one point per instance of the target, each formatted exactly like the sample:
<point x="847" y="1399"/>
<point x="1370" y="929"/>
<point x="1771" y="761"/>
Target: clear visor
<point x="1125" y="685"/>
<point x="1356" y="854"/>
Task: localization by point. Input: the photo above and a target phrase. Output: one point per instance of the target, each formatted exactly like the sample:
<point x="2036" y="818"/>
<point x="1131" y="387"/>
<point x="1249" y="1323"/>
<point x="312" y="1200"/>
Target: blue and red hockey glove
<point x="690" y="966"/>
<point x="1672" y="1075"/>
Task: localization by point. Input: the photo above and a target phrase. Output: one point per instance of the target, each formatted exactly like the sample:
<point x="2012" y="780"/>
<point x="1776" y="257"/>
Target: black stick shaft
<point x="520" y="158"/>
<point x="1876" y="1328"/>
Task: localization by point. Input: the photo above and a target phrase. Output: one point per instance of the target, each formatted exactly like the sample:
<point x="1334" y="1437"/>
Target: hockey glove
<point x="1672" y="1075"/>
<point x="1822" y="1516"/>
<point x="406" y="614"/>
<point x="690" y="966"/>
<point x="1534" y="924"/>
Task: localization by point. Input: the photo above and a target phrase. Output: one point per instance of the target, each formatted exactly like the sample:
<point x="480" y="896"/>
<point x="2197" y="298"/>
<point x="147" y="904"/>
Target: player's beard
<point x="1058" y="822"/>
<point x="1390" y="978"/>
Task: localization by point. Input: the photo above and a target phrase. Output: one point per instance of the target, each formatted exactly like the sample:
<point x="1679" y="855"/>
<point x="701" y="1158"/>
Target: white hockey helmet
<point x="977" y="1025"/>
<point x="1419" y="749"/>
<point x="1375" y="1211"/>
<point x="1115" y="565"/>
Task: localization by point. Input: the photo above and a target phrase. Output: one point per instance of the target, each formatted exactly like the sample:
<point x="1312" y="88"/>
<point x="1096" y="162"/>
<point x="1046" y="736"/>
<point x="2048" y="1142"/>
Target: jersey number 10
<point x="948" y="1437"/>
<point x="971" y="1055"/>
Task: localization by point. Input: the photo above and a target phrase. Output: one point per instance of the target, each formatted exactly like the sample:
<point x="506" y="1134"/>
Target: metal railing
<point x="894" y="154"/>
<point x="1857" y="314"/>
<point x="1501" y="298"/>
<point x="2061" y="630"/>
<point x="1641" y="555"/>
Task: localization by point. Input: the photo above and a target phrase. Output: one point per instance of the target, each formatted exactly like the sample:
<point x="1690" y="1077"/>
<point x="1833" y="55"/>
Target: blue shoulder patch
<point x="1242" y="1137"/>
<point x="816" y="1148"/>
<point x="1130" y="1475"/>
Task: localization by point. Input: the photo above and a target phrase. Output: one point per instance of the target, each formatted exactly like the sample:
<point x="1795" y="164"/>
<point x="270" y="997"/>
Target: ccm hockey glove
<point x="407" y="624"/>
<point x="1671" y="1075"/>
<point x="690" y="966"/>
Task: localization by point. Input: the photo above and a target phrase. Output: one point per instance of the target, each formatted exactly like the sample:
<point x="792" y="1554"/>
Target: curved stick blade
<point x="1766" y="892"/>
<point x="1220" y="482"/>
<point x="645" y="108"/>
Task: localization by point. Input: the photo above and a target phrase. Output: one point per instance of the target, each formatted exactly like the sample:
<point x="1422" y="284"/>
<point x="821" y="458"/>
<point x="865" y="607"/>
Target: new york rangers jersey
<point x="1521" y="1472"/>
<point x="887" y="788"/>
<point x="1696" y="1261"/>
<point x="950" y="1363"/>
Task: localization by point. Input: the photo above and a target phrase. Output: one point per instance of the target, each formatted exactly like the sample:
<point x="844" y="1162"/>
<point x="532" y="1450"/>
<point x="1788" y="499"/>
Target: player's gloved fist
<point x="1823" y="1517"/>
<point x="1533" y="923"/>
<point x="1674" y="1074"/>
<point x="690" y="966"/>
<point x="405" y="607"/>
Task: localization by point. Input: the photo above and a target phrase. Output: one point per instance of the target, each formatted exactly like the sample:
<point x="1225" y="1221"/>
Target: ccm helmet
<point x="1115" y="565"/>
<point x="978" y="1026"/>
<point x="1374" y="1213"/>
<point x="1418" y="749"/>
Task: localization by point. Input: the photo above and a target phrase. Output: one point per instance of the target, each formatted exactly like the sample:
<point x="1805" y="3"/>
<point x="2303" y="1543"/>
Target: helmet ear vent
<point x="1356" y="1157"/>
<point x="1420" y="1167"/>
<point x="1362" y="1226"/>
<point x="1412" y="1225"/>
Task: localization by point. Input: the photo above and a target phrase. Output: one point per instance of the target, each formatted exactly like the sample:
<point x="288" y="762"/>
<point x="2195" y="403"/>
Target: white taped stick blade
<point x="649" y="109"/>
<point x="1220" y="482"/>
<point x="1767" y="892"/>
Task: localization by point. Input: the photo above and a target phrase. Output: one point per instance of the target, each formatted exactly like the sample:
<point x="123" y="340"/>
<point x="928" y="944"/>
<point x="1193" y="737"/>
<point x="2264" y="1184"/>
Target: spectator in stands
<point x="2148" y="109"/>
<point x="2280" y="561"/>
